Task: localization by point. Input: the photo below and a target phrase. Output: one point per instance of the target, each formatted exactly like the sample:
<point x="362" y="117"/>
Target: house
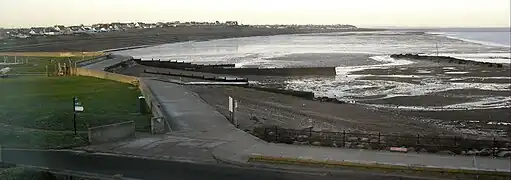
<point x="59" y="28"/>
<point x="231" y="23"/>
<point x="51" y="31"/>
<point x="76" y="29"/>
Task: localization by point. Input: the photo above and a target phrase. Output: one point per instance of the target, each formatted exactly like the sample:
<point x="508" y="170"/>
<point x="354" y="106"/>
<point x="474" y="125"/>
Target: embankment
<point x="445" y="59"/>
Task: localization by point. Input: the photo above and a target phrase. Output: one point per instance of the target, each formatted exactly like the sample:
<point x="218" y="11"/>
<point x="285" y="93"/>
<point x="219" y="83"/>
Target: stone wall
<point x="111" y="132"/>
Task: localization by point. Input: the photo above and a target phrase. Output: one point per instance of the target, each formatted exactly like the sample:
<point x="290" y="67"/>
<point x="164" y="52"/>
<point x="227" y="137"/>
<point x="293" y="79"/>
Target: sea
<point x="480" y="44"/>
<point x="353" y="51"/>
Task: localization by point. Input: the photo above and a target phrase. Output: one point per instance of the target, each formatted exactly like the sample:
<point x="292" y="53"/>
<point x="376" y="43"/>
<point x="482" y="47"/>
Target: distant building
<point x="231" y="23"/>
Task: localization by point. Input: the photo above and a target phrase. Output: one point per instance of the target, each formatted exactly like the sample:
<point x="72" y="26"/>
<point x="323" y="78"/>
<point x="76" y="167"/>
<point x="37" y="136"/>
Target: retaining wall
<point x="158" y="124"/>
<point x="111" y="132"/>
<point x="107" y="75"/>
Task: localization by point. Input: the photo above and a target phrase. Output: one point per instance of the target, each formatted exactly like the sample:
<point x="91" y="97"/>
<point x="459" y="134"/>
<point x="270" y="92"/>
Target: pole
<point x="74" y="114"/>
<point x="436" y="45"/>
<point x="0" y="153"/>
<point x="74" y="121"/>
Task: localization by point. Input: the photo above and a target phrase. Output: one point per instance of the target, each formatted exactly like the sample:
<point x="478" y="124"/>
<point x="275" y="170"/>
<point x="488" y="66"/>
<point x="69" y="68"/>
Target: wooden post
<point x="494" y="146"/>
<point x="276" y="134"/>
<point x="343" y="138"/>
<point x="379" y="137"/>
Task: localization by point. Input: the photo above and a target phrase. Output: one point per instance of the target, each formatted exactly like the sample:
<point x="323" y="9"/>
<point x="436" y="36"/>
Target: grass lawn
<point x="35" y="64"/>
<point x="37" y="111"/>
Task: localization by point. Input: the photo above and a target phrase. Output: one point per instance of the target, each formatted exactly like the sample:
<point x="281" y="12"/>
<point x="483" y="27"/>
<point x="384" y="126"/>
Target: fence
<point x="379" y="141"/>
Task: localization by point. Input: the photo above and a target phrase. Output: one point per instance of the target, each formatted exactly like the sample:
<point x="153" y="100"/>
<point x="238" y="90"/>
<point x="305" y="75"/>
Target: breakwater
<point x="445" y="59"/>
<point x="231" y="70"/>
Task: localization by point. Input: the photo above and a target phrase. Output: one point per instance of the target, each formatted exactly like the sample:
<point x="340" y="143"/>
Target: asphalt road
<point x="155" y="169"/>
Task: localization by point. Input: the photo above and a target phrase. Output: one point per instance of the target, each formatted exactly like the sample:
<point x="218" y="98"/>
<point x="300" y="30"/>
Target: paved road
<point x="154" y="169"/>
<point x="101" y="65"/>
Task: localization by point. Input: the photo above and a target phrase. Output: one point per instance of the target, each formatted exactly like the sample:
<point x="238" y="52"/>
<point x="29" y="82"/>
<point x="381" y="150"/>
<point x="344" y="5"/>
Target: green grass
<point x="37" y="111"/>
<point x="36" y="64"/>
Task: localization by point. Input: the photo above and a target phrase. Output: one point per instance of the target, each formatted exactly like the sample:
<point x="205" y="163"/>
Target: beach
<point x="386" y="95"/>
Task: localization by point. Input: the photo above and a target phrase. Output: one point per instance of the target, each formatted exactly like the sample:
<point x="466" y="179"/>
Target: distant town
<point x="59" y="30"/>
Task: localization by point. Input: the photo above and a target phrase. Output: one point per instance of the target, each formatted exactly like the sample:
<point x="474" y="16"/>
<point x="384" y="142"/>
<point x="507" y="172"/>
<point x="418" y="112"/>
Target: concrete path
<point x="196" y="119"/>
<point x="101" y="65"/>
<point x="190" y="117"/>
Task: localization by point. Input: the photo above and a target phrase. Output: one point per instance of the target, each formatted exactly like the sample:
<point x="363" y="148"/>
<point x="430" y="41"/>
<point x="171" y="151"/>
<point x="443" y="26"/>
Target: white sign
<point x="231" y="104"/>
<point x="79" y="108"/>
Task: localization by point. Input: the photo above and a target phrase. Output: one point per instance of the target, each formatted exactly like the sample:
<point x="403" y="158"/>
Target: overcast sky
<point x="365" y="13"/>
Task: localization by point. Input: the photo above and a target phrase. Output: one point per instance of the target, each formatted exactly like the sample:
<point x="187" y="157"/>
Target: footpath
<point x="199" y="131"/>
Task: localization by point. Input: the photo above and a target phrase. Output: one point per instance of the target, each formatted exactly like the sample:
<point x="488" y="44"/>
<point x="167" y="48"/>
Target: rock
<point x="352" y="139"/>
<point x="302" y="137"/>
<point x="463" y="153"/>
<point x="364" y="139"/>
<point x="423" y="150"/>
<point x="504" y="154"/>
<point x="484" y="152"/>
<point x="347" y="145"/>
<point x="296" y="143"/>
<point x="316" y="143"/>
<point x="360" y="146"/>
<point x="445" y="152"/>
<point x="471" y="153"/>
<point x="334" y="144"/>
<point x="373" y="141"/>
<point x="411" y="149"/>
<point x="254" y="118"/>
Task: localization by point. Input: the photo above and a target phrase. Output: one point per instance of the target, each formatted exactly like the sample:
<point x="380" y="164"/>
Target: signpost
<point x="77" y="107"/>
<point x="232" y="109"/>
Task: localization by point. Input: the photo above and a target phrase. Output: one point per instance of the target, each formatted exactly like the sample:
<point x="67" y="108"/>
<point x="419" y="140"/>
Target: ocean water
<point x="353" y="51"/>
<point x="499" y="37"/>
<point x="274" y="51"/>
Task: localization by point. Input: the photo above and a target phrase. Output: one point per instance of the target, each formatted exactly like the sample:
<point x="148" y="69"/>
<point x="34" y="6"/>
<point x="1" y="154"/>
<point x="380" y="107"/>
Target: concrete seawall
<point x="229" y="69"/>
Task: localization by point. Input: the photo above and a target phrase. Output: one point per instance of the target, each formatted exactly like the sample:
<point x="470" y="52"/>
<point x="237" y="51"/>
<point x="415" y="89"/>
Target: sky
<point x="362" y="13"/>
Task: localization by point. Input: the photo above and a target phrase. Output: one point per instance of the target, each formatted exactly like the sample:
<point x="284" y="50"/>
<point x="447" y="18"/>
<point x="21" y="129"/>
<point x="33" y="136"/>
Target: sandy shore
<point x="258" y="108"/>
<point x="140" y="37"/>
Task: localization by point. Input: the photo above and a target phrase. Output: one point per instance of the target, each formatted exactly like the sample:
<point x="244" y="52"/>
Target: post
<point x="74" y="121"/>
<point x="418" y="139"/>
<point x="343" y="138"/>
<point x="74" y="114"/>
<point x="310" y="132"/>
<point x="46" y="67"/>
<point x="1" y="153"/>
<point x="276" y="134"/>
<point x="494" y="146"/>
<point x="379" y="137"/>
